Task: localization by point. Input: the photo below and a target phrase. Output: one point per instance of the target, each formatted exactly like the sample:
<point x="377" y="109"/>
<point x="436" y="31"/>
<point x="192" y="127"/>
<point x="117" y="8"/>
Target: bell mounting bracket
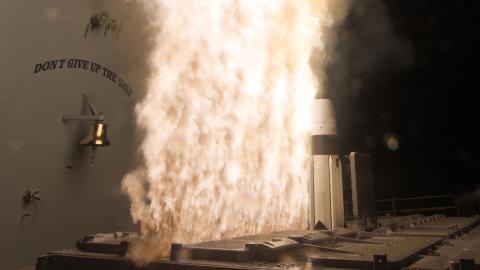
<point x="94" y="116"/>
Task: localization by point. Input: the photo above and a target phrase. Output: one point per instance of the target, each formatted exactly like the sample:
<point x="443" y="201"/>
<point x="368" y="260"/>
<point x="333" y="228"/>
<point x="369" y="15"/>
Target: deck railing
<point x="396" y="202"/>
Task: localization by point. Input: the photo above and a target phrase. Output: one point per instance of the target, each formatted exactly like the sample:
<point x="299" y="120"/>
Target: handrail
<point x="394" y="205"/>
<point x="416" y="198"/>
<point x="420" y="209"/>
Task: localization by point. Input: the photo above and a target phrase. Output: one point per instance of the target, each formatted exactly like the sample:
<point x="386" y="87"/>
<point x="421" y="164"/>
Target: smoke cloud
<point x="226" y="118"/>
<point x="367" y="51"/>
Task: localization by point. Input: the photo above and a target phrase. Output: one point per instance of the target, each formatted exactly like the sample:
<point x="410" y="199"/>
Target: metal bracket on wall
<point x="85" y="117"/>
<point x="30" y="198"/>
<point x="103" y="20"/>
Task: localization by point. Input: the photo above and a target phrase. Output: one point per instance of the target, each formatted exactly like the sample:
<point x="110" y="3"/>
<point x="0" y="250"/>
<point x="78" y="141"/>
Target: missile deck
<point x="412" y="242"/>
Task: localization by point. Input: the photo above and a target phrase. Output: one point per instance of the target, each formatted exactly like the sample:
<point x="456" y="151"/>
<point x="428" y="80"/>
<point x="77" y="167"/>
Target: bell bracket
<point x="85" y="117"/>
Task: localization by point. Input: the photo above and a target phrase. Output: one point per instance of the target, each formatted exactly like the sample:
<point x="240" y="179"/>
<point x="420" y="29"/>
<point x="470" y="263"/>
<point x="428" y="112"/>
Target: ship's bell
<point x="96" y="136"/>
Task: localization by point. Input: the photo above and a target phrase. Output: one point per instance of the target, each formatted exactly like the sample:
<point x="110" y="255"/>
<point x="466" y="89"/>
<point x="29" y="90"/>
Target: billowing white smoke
<point x="226" y="120"/>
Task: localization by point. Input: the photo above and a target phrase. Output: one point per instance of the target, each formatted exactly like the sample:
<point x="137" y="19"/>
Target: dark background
<point x="408" y="70"/>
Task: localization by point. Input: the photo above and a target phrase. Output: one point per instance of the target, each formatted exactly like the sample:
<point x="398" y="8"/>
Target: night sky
<point x="408" y="70"/>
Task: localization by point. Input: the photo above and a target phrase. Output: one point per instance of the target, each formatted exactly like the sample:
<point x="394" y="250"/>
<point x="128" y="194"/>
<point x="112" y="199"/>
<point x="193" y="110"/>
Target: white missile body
<point x="326" y="187"/>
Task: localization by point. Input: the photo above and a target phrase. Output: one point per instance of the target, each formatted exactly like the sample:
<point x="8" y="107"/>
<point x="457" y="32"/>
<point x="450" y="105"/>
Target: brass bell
<point x="96" y="136"/>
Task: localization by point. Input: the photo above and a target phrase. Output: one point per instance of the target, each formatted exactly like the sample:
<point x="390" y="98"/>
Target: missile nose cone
<point x="324" y="126"/>
<point x="323" y="118"/>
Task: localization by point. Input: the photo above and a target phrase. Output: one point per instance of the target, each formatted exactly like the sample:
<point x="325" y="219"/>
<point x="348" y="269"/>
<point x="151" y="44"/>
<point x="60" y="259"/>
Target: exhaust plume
<point x="226" y="119"/>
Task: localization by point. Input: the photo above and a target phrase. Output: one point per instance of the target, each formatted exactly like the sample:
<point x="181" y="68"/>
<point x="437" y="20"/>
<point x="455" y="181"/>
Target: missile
<point x="326" y="187"/>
